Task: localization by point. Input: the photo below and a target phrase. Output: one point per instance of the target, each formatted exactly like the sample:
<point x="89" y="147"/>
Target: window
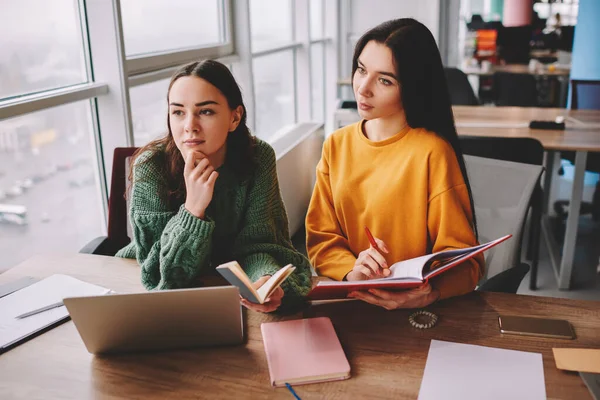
<point x="316" y="19"/>
<point x="271" y="23"/>
<point x="149" y="111"/>
<point x="49" y="185"/>
<point x="42" y="46"/>
<point x="274" y="92"/>
<point x="159" y="25"/>
<point x="317" y="73"/>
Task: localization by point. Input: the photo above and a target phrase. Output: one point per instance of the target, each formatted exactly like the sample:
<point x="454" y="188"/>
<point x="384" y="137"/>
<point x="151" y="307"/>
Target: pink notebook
<point x="304" y="351"/>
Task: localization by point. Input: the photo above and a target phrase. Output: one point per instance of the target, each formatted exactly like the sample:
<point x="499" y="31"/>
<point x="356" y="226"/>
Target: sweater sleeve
<point x="449" y="222"/>
<point x="327" y="246"/>
<point x="171" y="246"/>
<point x="263" y="244"/>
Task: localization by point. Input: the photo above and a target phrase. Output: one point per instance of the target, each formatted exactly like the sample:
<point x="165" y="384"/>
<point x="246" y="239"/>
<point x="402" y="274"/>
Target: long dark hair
<point x="240" y="142"/>
<point x="424" y="92"/>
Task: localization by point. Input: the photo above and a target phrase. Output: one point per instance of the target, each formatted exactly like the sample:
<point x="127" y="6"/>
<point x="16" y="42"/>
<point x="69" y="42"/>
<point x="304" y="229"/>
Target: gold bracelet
<point x="429" y="316"/>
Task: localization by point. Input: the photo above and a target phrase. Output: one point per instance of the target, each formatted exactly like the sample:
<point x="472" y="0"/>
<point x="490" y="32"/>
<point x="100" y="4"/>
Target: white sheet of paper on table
<point x="47" y="291"/>
<point x="464" y="371"/>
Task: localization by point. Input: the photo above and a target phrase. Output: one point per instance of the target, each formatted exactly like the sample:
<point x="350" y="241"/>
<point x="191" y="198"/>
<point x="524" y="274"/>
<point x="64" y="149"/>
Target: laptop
<point x="159" y="320"/>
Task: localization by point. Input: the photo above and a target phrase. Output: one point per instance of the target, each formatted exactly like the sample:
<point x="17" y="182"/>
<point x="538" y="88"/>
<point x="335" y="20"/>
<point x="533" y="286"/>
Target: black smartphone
<point x="529" y="326"/>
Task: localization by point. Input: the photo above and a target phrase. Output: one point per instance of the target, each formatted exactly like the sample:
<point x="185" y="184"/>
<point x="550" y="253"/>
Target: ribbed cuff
<point x="257" y="265"/>
<point x="193" y="224"/>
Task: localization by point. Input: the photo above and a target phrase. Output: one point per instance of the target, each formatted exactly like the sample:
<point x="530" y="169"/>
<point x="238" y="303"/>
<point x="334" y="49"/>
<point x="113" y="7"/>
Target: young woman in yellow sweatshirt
<point x="399" y="172"/>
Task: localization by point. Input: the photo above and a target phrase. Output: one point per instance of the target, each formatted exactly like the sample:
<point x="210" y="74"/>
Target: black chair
<point x="506" y="281"/>
<point x="117" y="208"/>
<point x="521" y="150"/>
<point x="518" y="90"/>
<point x="585" y="96"/>
<point x="461" y="91"/>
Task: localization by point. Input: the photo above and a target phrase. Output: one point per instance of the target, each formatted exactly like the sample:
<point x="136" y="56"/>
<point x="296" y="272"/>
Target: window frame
<point x="110" y="73"/>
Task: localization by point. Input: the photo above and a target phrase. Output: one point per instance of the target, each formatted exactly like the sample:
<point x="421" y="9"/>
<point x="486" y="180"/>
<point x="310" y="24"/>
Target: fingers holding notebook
<point x="370" y="264"/>
<point x="390" y="300"/>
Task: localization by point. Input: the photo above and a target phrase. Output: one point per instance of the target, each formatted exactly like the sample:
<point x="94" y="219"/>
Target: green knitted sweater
<point x="246" y="221"/>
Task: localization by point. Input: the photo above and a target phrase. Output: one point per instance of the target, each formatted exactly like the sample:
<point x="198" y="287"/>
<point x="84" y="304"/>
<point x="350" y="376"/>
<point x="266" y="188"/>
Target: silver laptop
<point x="161" y="320"/>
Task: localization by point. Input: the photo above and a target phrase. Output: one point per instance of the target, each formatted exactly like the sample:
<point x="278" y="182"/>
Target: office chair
<point x="461" y="91"/>
<point x="518" y="90"/>
<point x="502" y="192"/>
<point x="521" y="150"/>
<point x="585" y="96"/>
<point x="117" y="237"/>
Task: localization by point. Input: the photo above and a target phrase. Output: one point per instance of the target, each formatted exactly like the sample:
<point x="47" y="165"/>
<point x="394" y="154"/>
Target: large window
<point x="49" y="187"/>
<point x="51" y="196"/>
<point x="271" y="23"/>
<point x="41" y="46"/>
<point x="149" y="111"/>
<point x="274" y="88"/>
<point x="317" y="75"/>
<point x="157" y="25"/>
<point x="273" y="65"/>
<point x="317" y="25"/>
<point x="70" y="94"/>
<point x="317" y="59"/>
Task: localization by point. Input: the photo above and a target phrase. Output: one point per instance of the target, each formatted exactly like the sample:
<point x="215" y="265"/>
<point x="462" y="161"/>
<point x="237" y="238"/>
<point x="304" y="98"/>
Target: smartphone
<point x="529" y="326"/>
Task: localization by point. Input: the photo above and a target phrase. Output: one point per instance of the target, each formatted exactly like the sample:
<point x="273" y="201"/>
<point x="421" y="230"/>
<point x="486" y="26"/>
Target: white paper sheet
<point x="464" y="371"/>
<point x="47" y="291"/>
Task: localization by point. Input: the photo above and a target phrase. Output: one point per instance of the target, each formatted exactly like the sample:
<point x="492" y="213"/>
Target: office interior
<point x="81" y="78"/>
<point x="90" y="79"/>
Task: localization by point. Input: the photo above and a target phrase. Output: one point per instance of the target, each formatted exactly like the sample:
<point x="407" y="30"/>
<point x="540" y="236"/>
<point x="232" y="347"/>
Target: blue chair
<point x="585" y="95"/>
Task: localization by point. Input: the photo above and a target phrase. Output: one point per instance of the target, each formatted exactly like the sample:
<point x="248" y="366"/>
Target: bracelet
<point x="430" y="319"/>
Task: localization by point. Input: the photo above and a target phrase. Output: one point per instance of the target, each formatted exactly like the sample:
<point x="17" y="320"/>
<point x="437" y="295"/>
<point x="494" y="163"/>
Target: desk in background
<point x="511" y="68"/>
<point x="386" y="354"/>
<point x="552" y="84"/>
<point x="582" y="136"/>
<point x="519" y="69"/>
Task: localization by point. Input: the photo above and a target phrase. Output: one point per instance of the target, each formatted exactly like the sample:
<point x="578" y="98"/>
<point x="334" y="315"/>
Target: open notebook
<point x="405" y="274"/>
<point x="234" y="274"/>
<point x="48" y="291"/>
<point x="304" y="351"/>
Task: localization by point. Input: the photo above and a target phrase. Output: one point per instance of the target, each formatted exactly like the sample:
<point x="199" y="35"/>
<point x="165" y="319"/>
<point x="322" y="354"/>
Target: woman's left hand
<point x="272" y="302"/>
<point x="414" y="298"/>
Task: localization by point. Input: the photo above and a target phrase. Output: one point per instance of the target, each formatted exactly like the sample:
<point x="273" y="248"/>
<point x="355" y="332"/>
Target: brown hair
<point x="240" y="142"/>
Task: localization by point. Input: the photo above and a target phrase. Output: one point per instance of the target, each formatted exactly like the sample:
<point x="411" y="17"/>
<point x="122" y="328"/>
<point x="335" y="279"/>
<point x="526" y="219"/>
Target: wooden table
<point x="386" y="354"/>
<point x="582" y="136"/>
<point x="518" y="69"/>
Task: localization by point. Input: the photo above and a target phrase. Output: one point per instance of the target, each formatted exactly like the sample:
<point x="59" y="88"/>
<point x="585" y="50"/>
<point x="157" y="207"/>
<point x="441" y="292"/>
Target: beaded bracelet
<point x="430" y="316"/>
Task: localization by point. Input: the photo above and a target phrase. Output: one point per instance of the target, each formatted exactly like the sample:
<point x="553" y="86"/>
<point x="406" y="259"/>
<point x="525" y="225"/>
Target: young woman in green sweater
<point x="207" y="193"/>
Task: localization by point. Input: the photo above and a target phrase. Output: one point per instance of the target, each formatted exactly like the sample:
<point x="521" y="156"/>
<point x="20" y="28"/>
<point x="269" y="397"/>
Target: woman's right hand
<point x="370" y="264"/>
<point x="200" y="178"/>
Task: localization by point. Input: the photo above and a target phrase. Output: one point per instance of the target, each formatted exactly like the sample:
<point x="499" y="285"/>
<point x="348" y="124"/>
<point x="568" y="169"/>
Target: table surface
<point x="519" y="69"/>
<point x="386" y="354"/>
<point x="582" y="131"/>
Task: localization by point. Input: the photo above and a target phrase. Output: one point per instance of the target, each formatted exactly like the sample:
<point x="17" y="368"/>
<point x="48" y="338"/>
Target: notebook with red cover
<point x="405" y="274"/>
<point x="304" y="351"/>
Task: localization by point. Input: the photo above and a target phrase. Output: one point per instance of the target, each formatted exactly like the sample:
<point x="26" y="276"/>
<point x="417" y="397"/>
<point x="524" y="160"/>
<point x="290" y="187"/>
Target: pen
<point x="41" y="309"/>
<point x="287" y="385"/>
<point x="372" y="239"/>
<point x="49" y="307"/>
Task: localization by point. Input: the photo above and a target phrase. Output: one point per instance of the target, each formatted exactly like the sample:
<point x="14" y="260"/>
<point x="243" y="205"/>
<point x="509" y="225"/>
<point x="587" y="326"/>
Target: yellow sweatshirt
<point x="407" y="189"/>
